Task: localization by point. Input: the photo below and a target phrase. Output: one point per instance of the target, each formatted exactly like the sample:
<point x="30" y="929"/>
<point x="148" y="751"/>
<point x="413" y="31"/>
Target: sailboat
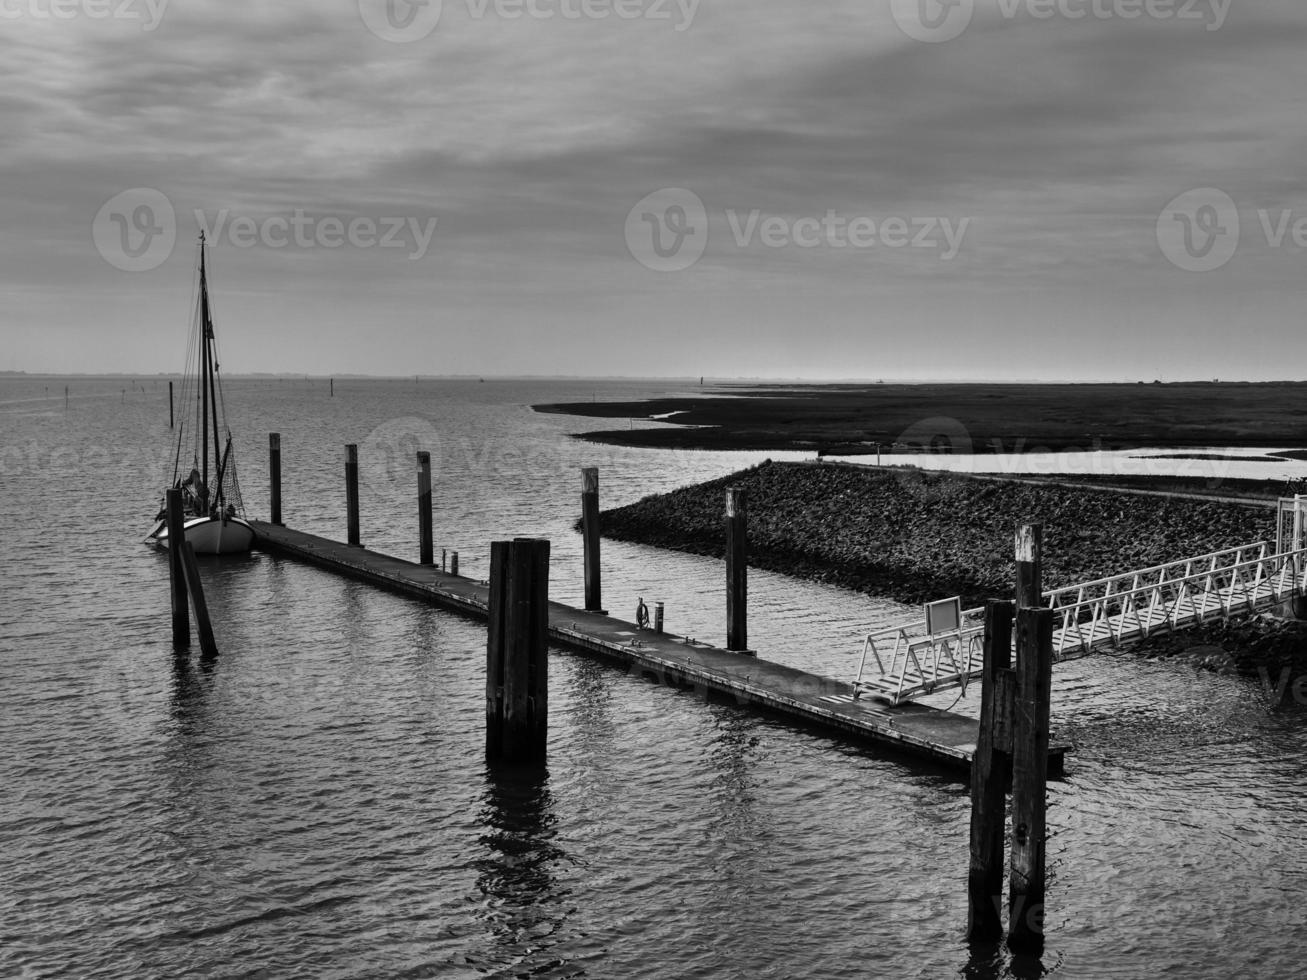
<point x="213" y="513"/>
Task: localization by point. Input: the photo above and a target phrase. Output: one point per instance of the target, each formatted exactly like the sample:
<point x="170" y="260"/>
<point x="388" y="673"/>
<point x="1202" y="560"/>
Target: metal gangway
<point x="903" y="662"/>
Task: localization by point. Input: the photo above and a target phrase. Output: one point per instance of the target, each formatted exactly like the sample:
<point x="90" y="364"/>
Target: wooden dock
<point x="824" y="702"/>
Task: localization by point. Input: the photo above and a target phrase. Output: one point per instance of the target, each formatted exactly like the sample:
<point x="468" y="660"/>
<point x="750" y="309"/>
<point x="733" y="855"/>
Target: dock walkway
<point x="942" y="736"/>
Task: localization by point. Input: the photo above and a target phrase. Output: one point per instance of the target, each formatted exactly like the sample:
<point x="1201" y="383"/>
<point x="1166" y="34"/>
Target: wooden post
<point x="453" y="563"/>
<point x="658" y="617"/>
<point x="517" y="683"/>
<point x="590" y="538"/>
<point x="332" y="383"/>
<point x="444" y="557"/>
<point x="1034" y="673"/>
<point x="426" y="549"/>
<point x="352" y="492"/>
<point x="737" y="570"/>
<point x="1030" y="556"/>
<point x="170" y="414"/>
<point x="181" y="620"/>
<point x="196" y="588"/>
<point x="991" y="769"/>
<point x="274" y="475"/>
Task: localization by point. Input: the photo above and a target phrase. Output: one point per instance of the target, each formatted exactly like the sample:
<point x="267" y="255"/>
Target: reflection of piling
<point x="590" y="538"/>
<point x="517" y="685"/>
<point x="352" y="492"/>
<point x="181" y="622"/>
<point x="737" y="570"/>
<point x="274" y="475"/>
<point x="426" y="548"/>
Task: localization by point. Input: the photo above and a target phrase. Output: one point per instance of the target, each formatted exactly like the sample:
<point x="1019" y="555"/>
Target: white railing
<point x="1105" y="612"/>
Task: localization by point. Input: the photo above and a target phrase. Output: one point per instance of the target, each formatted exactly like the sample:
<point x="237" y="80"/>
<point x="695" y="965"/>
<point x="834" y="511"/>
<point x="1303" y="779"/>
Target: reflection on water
<point x="525" y="907"/>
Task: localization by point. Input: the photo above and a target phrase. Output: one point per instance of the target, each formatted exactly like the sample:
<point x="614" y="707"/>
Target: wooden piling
<point x="658" y="617"/>
<point x="517" y="688"/>
<point x="352" y="492"/>
<point x="170" y="413"/>
<point x="453" y="563"/>
<point x="991" y="769"/>
<point x="274" y="476"/>
<point x="1030" y="718"/>
<point x="181" y="621"/>
<point x="196" y="589"/>
<point x="1029" y="560"/>
<point x="426" y="548"/>
<point x="590" y="538"/>
<point x="737" y="570"/>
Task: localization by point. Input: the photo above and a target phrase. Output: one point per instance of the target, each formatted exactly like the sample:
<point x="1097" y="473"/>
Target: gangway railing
<point x="907" y="661"/>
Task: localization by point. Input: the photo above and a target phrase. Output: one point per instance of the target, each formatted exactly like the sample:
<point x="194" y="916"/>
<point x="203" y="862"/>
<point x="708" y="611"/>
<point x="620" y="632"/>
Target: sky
<point x="881" y="189"/>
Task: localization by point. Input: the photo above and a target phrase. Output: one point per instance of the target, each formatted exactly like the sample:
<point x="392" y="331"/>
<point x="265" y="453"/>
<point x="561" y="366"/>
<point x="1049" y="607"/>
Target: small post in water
<point x="181" y="620"/>
<point x="170" y="414"/>
<point x="453" y="563"/>
<point x="352" y="492"/>
<point x="517" y="645"/>
<point x="1030" y="717"/>
<point x="426" y="549"/>
<point x="196" y="588"/>
<point x="274" y="475"/>
<point x="590" y="538"/>
<point x="737" y="570"/>
<point x="991" y="771"/>
<point x="658" y="617"/>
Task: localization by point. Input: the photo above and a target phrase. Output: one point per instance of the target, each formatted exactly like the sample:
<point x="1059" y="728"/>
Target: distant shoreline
<point x="962" y="418"/>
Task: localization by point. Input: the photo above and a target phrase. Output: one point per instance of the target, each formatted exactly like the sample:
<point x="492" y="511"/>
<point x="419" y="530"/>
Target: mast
<point x="204" y="374"/>
<point x="207" y="383"/>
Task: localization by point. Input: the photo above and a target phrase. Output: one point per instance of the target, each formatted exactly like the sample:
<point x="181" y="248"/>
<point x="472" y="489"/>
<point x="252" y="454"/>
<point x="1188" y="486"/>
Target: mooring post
<point x="352" y="491"/>
<point x="1030" y="718"/>
<point x="590" y="538"/>
<point x="444" y="557"/>
<point x="737" y="570"/>
<point x="170" y="414"/>
<point x="181" y="620"/>
<point x="453" y="563"/>
<point x="517" y="679"/>
<point x="196" y="588"/>
<point x="658" y="617"/>
<point x="991" y="771"/>
<point x="274" y="475"/>
<point x="1030" y="556"/>
<point x="426" y="549"/>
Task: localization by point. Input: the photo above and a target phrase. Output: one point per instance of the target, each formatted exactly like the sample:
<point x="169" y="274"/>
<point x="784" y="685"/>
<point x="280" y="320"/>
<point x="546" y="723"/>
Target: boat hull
<point x="210" y="535"/>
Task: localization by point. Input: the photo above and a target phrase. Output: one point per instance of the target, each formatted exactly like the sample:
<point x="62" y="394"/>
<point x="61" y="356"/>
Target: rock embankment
<point x="914" y="536"/>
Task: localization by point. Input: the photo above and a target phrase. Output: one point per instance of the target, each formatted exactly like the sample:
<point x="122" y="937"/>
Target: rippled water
<point x="314" y="803"/>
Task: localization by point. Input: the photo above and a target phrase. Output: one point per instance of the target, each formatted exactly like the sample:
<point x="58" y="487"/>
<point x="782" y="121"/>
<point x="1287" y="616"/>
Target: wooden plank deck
<point x="823" y="702"/>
